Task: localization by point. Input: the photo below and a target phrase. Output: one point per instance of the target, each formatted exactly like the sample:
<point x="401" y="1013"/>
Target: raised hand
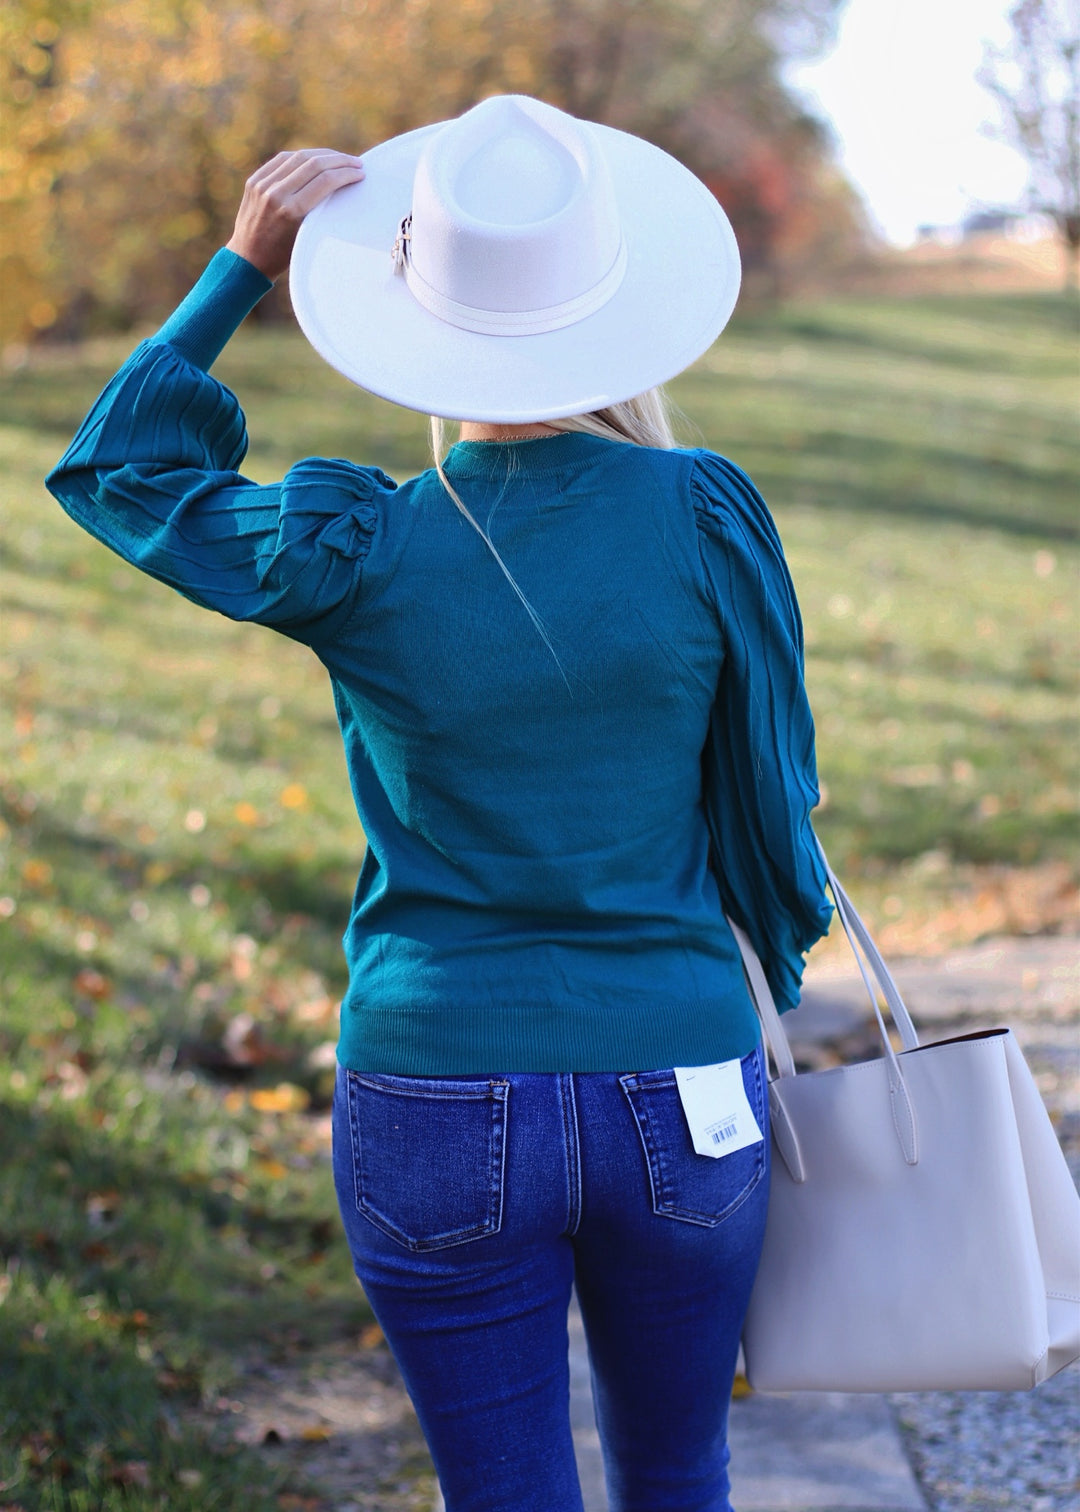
<point x="278" y="195"/>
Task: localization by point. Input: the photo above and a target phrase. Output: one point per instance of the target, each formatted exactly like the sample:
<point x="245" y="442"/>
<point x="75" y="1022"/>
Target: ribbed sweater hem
<point x="457" y="1039"/>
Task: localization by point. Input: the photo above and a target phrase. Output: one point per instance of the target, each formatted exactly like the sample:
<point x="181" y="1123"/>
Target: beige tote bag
<point x="923" y="1230"/>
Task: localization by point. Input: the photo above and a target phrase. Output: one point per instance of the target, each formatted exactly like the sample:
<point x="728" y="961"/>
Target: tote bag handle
<point x="872" y="969"/>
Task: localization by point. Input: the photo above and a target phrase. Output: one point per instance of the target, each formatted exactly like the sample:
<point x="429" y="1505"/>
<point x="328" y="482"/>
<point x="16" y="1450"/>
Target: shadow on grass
<point x="287" y="883"/>
<point x="127" y="1280"/>
<point x="907" y="327"/>
<point x="154" y="719"/>
<point x="869" y="835"/>
<point x="147" y="1234"/>
<point x="877" y="477"/>
<point x="1027" y="512"/>
<point x="1043" y="671"/>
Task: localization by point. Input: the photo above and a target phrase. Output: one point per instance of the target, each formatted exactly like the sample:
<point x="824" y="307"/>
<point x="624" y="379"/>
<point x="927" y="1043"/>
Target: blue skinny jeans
<point x="473" y="1205"/>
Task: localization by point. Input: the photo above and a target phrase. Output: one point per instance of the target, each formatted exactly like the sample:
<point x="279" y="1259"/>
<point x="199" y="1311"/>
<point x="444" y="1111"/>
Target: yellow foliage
<point x="42" y="314"/>
<point x="131" y="126"/>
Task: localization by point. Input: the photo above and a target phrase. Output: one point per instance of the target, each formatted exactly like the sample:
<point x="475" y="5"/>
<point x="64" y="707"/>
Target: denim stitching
<point x="500" y="1094"/>
<point x="496" y="1094"/>
<point x="630" y="1085"/>
<point x="354" y="1141"/>
<point x="428" y="1087"/>
<point x="572" y="1140"/>
<point x="664" y="1205"/>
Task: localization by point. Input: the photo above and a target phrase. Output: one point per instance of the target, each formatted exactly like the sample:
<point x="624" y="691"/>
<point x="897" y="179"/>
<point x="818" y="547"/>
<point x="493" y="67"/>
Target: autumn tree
<point x="702" y="80"/>
<point x="131" y="126"/>
<point x="1036" y="82"/>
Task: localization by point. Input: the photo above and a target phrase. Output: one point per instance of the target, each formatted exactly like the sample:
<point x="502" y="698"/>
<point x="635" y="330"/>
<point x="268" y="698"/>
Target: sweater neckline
<point x="524" y="458"/>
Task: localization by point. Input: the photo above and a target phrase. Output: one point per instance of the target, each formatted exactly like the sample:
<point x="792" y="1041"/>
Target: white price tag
<point x="717" y="1111"/>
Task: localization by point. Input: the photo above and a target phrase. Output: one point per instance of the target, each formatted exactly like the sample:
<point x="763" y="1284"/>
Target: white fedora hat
<point x="515" y="264"/>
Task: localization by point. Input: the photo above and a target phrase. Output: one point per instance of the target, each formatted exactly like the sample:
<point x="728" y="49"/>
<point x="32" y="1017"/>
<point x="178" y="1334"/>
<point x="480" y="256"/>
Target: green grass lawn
<point x="181" y="846"/>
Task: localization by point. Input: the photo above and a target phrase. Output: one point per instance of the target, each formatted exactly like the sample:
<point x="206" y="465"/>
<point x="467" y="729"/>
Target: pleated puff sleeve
<point x="760" y="778"/>
<point x="153" y="473"/>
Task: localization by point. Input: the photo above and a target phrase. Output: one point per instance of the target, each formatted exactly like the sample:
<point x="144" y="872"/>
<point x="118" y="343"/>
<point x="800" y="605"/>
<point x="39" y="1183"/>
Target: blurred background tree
<point x="1036" y="82"/>
<point x="130" y="127"/>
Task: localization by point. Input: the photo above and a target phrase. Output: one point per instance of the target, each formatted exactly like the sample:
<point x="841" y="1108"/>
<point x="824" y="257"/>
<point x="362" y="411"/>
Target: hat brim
<point x="680" y="287"/>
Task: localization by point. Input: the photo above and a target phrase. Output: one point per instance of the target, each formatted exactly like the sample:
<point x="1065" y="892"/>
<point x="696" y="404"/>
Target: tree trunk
<point x="1069" y="226"/>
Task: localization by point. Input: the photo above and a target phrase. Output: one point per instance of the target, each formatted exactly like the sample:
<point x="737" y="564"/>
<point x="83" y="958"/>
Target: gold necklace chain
<point x="495" y="440"/>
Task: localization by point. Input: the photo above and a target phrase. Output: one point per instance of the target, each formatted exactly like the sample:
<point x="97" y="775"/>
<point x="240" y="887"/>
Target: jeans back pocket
<point x="685" y="1185"/>
<point x="428" y="1156"/>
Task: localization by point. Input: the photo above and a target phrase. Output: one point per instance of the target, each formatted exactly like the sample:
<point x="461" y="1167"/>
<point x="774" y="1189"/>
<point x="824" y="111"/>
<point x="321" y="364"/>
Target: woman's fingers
<point x="279" y="194"/>
<point x="306" y="160"/>
<point x="305" y="178"/>
<point x="321" y="186"/>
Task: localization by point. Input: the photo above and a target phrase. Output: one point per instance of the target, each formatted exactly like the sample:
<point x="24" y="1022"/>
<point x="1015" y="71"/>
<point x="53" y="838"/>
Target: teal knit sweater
<point x="554" y="832"/>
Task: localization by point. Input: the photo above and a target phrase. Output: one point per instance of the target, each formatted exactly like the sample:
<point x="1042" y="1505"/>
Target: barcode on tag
<point x="718" y="1115"/>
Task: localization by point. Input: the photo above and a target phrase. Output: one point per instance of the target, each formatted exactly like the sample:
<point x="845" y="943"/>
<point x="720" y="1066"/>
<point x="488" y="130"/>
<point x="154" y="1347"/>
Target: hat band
<point x="516" y="322"/>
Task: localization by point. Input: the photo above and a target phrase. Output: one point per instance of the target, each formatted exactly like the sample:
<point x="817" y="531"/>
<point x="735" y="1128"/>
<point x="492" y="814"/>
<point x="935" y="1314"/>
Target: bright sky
<point x="899" y="89"/>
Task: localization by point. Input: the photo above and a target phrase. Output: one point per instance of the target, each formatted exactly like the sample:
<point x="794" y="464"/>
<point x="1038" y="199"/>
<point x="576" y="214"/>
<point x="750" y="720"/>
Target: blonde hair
<point x="646" y="420"/>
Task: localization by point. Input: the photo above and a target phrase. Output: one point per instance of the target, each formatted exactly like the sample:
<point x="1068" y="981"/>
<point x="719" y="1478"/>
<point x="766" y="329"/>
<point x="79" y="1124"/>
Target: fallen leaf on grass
<point x="323" y="1057"/>
<point x="997" y="900"/>
<point x="102" y="1208"/>
<point x="45" y="1243"/>
<point x="243" y="1047"/>
<point x="245" y="1044"/>
<point x="39" y="1448"/>
<point x="284" y="1098"/>
<point x="72" y="1078"/>
<point x="316" y="1434"/>
<point x="90" y="983"/>
<point x="182" y="1379"/>
<point x="129" y="1473"/>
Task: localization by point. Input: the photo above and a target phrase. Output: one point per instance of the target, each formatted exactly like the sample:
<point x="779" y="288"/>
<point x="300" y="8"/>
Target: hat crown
<point x="513" y="209"/>
<point x="515" y="265"/>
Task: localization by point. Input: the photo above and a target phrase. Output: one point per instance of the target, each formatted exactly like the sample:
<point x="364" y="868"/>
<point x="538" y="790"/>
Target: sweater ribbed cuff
<point x="224" y="296"/>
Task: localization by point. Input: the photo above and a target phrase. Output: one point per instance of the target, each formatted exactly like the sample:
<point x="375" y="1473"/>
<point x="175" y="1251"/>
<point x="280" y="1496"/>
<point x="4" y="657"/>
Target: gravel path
<point x="1008" y="1451"/>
